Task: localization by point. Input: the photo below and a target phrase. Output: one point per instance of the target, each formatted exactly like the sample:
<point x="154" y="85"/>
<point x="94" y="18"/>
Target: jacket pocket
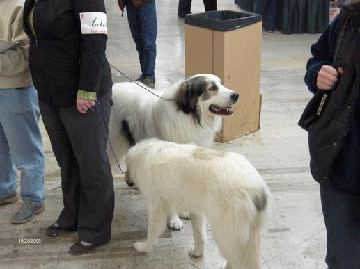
<point x="314" y="109"/>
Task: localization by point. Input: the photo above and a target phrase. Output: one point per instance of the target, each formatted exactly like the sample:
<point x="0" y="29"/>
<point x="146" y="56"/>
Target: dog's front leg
<point x="174" y="222"/>
<point x="157" y="220"/>
<point x="198" y="224"/>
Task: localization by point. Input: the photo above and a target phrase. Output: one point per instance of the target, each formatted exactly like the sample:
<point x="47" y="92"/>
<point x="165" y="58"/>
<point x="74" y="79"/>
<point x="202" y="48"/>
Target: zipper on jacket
<point x="322" y="102"/>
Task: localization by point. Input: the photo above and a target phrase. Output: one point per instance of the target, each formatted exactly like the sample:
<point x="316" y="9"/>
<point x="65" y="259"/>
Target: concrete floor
<point x="295" y="235"/>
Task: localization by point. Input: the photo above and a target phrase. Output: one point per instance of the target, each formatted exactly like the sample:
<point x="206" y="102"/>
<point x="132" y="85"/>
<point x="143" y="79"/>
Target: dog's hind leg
<point x="157" y="220"/>
<point x="199" y="231"/>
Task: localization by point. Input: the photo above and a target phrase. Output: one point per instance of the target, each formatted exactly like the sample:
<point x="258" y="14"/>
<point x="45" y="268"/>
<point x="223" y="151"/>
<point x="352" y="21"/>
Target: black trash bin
<point x="228" y="44"/>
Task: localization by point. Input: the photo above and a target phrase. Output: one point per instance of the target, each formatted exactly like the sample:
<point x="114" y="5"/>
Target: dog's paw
<point x="195" y="253"/>
<point x="175" y="224"/>
<point x="226" y="266"/>
<point x="184" y="215"/>
<point x="141" y="247"/>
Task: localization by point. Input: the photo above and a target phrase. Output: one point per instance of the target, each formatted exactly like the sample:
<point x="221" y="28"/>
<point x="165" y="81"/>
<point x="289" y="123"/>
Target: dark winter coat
<point x="63" y="60"/>
<point x="334" y="141"/>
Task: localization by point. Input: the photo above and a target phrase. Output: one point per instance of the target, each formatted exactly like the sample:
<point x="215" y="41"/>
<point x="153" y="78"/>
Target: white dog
<point x="223" y="186"/>
<point x="187" y="113"/>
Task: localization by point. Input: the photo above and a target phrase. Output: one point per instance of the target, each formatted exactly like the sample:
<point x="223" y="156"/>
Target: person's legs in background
<point x="143" y="27"/>
<point x="342" y="220"/>
<point x="148" y="30"/>
<point x="259" y="7"/>
<point x="184" y="8"/>
<point x="134" y="25"/>
<point x="270" y="16"/>
<point x="267" y="9"/>
<point x="7" y="169"/>
<point x="20" y="124"/>
<point x="210" y="5"/>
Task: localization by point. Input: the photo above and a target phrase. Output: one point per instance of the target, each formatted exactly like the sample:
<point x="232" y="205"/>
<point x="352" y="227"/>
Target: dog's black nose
<point x="234" y="97"/>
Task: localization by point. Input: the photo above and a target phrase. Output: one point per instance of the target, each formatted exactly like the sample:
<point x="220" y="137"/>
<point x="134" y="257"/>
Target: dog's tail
<point x="236" y="226"/>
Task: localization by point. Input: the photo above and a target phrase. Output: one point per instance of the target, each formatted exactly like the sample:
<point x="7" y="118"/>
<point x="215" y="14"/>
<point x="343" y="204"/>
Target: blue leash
<point x="97" y="109"/>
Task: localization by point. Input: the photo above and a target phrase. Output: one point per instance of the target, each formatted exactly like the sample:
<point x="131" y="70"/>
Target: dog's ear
<point x="188" y="95"/>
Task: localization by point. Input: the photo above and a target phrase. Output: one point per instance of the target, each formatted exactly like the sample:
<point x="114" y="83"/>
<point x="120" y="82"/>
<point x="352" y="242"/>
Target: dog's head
<point x="205" y="94"/>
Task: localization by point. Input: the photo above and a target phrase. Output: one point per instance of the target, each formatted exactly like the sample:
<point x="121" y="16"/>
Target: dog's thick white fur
<point x="222" y="186"/>
<point x="191" y="113"/>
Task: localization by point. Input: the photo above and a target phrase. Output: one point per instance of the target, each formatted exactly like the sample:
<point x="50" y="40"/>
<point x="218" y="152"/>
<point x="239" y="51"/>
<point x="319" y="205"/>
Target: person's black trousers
<point x="341" y="211"/>
<point x="79" y="143"/>
<point x="210" y="5"/>
<point x="184" y="7"/>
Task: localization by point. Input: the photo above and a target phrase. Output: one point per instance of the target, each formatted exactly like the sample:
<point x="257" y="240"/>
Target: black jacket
<point x="62" y="59"/>
<point x="334" y="141"/>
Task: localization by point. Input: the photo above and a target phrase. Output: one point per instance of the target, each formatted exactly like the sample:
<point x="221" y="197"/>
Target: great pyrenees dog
<point x="189" y="112"/>
<point x="220" y="186"/>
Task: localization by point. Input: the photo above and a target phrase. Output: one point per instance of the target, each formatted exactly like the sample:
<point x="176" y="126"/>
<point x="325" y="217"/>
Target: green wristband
<point x="86" y="95"/>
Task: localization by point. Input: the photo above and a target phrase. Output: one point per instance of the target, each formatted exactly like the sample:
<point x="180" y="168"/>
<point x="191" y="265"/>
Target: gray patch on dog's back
<point x="206" y="154"/>
<point x="260" y="201"/>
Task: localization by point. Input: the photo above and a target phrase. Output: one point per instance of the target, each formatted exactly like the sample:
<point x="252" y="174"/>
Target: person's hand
<point x="327" y="77"/>
<point x="83" y="105"/>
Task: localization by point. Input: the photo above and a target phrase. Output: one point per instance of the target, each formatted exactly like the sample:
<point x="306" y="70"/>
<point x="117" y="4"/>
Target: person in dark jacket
<point x="142" y="19"/>
<point x="73" y="78"/>
<point x="334" y="139"/>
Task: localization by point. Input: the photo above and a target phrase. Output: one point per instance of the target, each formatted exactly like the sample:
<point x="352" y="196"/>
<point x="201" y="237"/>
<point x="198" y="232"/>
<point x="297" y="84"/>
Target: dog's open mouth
<point x="221" y="110"/>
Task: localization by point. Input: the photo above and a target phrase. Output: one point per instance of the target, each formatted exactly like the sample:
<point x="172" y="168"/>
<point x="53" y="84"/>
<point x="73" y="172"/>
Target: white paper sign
<point x="93" y="23"/>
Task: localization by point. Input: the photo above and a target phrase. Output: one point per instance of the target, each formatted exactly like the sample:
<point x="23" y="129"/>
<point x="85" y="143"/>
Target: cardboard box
<point x="234" y="56"/>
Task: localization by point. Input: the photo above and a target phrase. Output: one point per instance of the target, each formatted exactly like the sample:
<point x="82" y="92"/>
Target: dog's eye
<point x="213" y="88"/>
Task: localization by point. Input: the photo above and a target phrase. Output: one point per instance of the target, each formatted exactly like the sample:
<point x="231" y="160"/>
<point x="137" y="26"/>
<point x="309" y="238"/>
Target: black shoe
<point x="149" y="82"/>
<point x="80" y="249"/>
<point x="54" y="230"/>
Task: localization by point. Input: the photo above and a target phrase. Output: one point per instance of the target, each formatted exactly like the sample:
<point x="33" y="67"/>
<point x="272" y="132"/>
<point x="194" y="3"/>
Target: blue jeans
<point x="341" y="211"/>
<point x="268" y="10"/>
<point x="21" y="144"/>
<point x="143" y="27"/>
